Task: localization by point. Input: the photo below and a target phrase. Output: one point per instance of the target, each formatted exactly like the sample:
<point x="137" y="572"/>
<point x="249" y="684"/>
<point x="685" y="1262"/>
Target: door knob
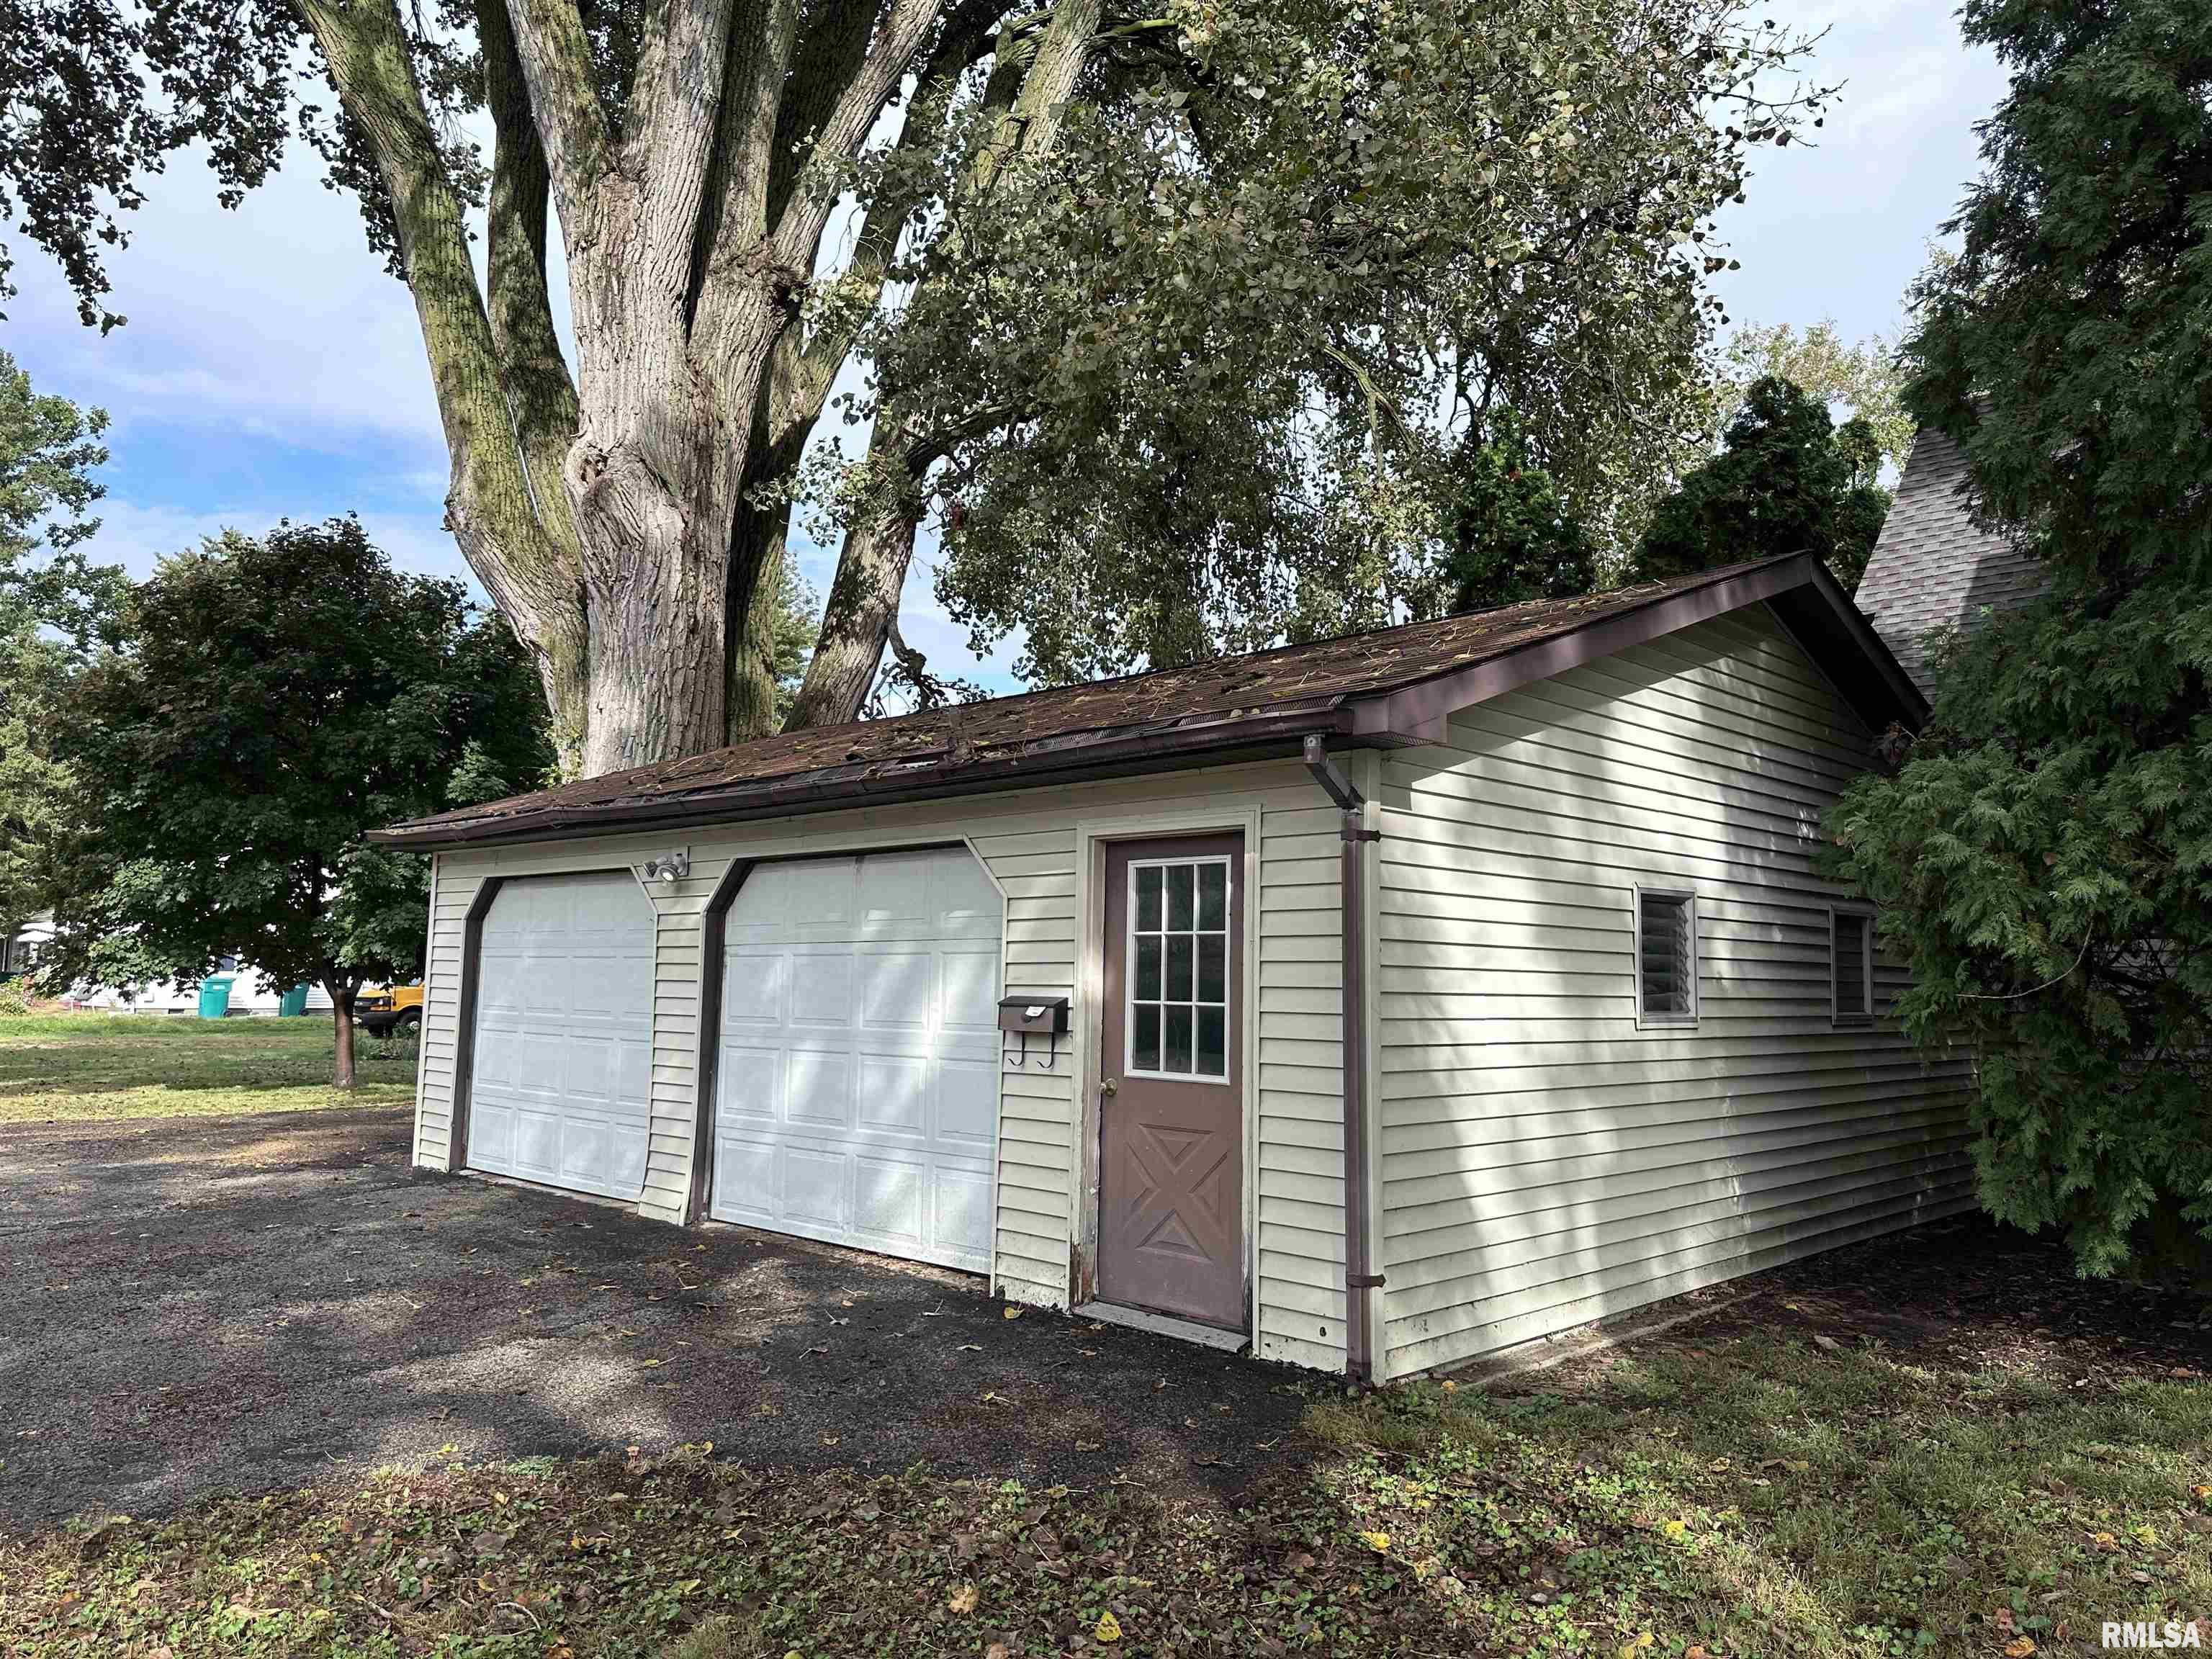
<point x="1110" y="1086"/>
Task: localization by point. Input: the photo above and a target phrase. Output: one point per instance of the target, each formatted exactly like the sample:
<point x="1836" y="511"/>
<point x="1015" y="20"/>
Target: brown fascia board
<point x="1073" y="758"/>
<point x="1806" y="598"/>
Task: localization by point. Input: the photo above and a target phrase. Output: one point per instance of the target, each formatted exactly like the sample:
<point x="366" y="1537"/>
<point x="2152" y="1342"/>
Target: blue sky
<point x="271" y="369"/>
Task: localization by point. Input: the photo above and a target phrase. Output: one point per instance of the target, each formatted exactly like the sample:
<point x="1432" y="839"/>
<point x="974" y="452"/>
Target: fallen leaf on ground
<point x="962" y="1599"/>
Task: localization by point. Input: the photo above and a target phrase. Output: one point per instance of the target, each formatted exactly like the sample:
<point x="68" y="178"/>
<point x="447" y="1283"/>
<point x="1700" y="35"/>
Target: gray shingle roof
<point x="1933" y="567"/>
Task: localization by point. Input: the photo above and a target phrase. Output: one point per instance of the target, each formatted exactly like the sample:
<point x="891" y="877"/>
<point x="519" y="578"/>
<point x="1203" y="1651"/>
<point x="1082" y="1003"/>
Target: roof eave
<point x="1807" y="600"/>
<point x="1054" y="761"/>
<point x="1797" y="588"/>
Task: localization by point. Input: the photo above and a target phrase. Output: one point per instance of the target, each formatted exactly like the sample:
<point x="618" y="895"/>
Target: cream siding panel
<point x="1299" y="1182"/>
<point x="452" y="892"/>
<point x="1029" y="843"/>
<point x="1546" y="1163"/>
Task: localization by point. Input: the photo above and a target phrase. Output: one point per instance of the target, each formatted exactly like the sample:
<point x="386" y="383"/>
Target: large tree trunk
<point x="655" y="569"/>
<point x="607" y="515"/>
<point x="341" y="994"/>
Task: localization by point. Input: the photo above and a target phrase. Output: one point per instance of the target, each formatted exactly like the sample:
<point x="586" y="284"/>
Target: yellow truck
<point x="380" y="1010"/>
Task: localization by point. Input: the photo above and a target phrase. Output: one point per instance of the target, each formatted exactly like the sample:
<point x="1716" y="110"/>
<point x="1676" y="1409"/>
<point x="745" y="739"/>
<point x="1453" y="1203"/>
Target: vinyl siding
<point x="1032" y="843"/>
<point x="1544" y="1161"/>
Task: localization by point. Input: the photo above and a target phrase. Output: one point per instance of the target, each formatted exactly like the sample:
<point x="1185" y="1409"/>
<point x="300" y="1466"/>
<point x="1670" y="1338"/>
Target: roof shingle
<point x="1933" y="567"/>
<point x="1212" y="709"/>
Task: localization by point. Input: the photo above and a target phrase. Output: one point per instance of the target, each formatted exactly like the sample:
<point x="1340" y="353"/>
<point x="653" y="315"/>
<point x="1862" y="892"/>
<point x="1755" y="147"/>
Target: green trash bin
<point x="215" y="996"/>
<point x="295" y="1003"/>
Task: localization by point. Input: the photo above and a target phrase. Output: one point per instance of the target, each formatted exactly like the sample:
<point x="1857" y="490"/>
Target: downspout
<point x="1359" y="1275"/>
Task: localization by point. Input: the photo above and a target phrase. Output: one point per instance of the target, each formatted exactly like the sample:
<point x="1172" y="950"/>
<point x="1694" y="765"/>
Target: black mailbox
<point x="1047" y="1016"/>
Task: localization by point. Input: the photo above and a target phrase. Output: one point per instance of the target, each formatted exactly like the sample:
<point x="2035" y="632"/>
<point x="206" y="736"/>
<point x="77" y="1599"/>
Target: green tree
<point x="2044" y="854"/>
<point x="1787" y="480"/>
<point x="1229" y="317"/>
<point x="1513" y="535"/>
<point x="49" y="449"/>
<point x="791" y="643"/>
<point x="1071" y="222"/>
<point x="54" y="605"/>
<point x="1865" y="377"/>
<point x="274" y="699"/>
<point x="34" y="785"/>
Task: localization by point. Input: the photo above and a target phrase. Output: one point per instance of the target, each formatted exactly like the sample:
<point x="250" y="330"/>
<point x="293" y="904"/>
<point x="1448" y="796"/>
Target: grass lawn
<point x="64" y="1066"/>
<point x="1989" y="1465"/>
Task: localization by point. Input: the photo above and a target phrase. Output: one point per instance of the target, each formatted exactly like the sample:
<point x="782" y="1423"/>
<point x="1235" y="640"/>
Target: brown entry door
<point x="1171" y="1109"/>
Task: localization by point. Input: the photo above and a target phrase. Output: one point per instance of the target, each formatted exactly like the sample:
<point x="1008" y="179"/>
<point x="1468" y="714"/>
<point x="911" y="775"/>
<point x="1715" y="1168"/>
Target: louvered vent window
<point x="1850" y="944"/>
<point x="1666" y="957"/>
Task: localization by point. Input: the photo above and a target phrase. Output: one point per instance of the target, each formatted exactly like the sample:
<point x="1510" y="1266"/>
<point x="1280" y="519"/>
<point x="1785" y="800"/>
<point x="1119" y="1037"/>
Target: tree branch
<point x="798" y="228"/>
<point x="805" y="370"/>
<point x="828" y="57"/>
<point x="555" y="56"/>
<point x="531" y="575"/>
<point x="1031" y="127"/>
<point x="541" y="396"/>
<point x="1031" y="84"/>
<point x="692" y="70"/>
<point x="762" y="81"/>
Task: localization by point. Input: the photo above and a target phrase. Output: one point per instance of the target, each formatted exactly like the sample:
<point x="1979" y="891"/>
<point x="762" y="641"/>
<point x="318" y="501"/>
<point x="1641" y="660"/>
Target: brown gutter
<point x="1358" y="1277"/>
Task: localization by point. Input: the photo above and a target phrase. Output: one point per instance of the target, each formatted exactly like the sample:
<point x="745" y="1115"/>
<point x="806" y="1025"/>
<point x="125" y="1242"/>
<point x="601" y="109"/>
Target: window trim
<point x="1836" y="1015"/>
<point x="1644" y="1019"/>
<point x="1229" y="972"/>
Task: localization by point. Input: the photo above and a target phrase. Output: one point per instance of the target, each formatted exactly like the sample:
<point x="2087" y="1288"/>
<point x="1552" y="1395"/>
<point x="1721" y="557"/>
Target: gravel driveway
<point x="211" y="1305"/>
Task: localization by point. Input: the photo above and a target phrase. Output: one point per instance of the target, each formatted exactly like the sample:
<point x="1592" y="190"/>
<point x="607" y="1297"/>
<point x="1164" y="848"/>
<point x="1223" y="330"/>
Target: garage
<point x="856" y="1091"/>
<point x="563" y="1062"/>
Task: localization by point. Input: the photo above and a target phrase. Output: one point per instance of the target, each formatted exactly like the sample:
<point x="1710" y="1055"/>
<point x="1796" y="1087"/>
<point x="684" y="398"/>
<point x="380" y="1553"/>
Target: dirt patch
<point x="1961" y="1294"/>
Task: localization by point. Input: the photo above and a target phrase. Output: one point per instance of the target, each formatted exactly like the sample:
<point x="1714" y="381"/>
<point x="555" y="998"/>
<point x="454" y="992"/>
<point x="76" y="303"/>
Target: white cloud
<point x="1837" y="227"/>
<point x="273" y="320"/>
<point x="138" y="536"/>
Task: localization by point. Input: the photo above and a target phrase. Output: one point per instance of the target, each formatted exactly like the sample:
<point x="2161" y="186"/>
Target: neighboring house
<point x="249" y="994"/>
<point x="1933" y="568"/>
<point x="1609" y="1036"/>
<point x="21" y="951"/>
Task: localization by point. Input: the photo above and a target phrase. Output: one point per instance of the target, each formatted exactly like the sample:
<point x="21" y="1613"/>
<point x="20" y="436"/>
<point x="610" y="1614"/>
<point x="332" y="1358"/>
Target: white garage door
<point x="856" y="1097"/>
<point x="564" y="1069"/>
